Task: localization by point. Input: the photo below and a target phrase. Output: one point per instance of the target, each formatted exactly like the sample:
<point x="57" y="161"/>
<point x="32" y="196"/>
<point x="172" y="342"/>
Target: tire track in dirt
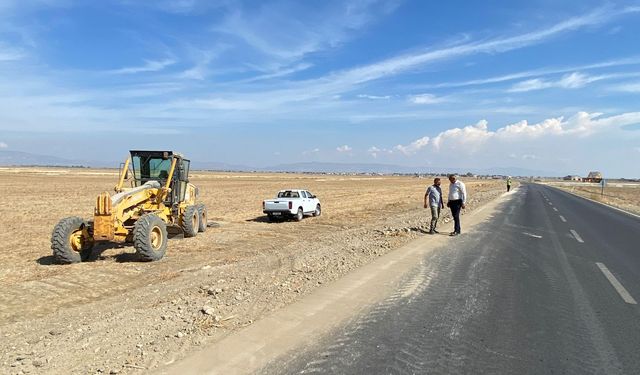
<point x="54" y="293"/>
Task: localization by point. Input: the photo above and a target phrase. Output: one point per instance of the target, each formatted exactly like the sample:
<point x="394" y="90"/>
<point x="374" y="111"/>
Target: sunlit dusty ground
<point x="257" y="266"/>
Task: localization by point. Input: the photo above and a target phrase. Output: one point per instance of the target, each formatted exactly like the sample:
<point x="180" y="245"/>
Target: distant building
<point x="594" y="176"/>
<point x="572" y="178"/>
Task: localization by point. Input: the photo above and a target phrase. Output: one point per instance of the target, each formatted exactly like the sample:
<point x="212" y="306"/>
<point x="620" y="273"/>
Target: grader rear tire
<point x="70" y="242"/>
<point x="150" y="237"/>
<point x="190" y="221"/>
<point x="202" y="217"/>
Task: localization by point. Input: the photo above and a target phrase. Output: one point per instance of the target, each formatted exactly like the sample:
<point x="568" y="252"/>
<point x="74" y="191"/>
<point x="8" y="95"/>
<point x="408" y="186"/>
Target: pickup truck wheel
<point x="318" y="211"/>
<point x="299" y="215"/>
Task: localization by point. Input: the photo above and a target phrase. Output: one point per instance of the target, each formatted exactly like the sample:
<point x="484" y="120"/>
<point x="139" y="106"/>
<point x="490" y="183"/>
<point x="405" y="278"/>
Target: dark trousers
<point x="508" y="188"/>
<point x="456" y="206"/>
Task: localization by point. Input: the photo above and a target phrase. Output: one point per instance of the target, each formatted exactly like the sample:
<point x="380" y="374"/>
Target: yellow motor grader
<point x="160" y="203"/>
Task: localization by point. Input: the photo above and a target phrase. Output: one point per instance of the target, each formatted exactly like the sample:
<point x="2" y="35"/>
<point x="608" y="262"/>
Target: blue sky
<point x="539" y="84"/>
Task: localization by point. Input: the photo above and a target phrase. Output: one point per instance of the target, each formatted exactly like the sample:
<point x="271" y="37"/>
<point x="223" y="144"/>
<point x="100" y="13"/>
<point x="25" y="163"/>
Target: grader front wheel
<point x="150" y="237"/>
<point x="71" y="241"/>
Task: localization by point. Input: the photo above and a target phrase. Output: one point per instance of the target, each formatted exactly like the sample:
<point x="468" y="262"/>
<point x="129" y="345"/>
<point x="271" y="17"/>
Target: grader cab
<point x="159" y="203"/>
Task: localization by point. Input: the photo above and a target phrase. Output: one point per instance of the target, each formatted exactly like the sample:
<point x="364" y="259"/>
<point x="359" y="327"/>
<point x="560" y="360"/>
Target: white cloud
<point x="269" y="100"/>
<point x="282" y="72"/>
<point x="344" y="148"/>
<point x="399" y="64"/>
<point x="10" y="54"/>
<point x="3" y="145"/>
<point x="374" y="97"/>
<point x="574" y="80"/>
<point x="530" y="85"/>
<point x="298" y="32"/>
<point x="523" y="156"/>
<point x="471" y="139"/>
<point x="568" y="81"/>
<point x="375" y="151"/>
<point x="414" y="146"/>
<point x="535" y="73"/>
<point x="149" y="66"/>
<point x="425" y="99"/>
<point x="468" y="137"/>
<point x="311" y="152"/>
<point x="202" y="59"/>
<point x="211" y="104"/>
<point x="343" y="81"/>
<point x="633" y="87"/>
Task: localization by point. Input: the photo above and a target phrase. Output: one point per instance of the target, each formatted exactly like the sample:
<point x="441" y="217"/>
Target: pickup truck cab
<point x="292" y="203"/>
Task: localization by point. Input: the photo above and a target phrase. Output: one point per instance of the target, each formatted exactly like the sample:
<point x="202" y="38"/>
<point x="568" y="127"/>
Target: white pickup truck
<point x="292" y="203"/>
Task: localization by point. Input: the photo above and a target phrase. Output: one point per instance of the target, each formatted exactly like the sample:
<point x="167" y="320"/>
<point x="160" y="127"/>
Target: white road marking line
<point x="563" y="219"/>
<point x="555" y="209"/>
<point x="616" y="284"/>
<point x="577" y="236"/>
<point x="531" y="235"/>
<point x="550" y="204"/>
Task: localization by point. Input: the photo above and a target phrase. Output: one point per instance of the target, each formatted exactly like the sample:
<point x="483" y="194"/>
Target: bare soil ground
<point x="625" y="196"/>
<point x="114" y="314"/>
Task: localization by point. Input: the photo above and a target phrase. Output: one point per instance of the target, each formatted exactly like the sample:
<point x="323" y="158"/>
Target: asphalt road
<point x="546" y="287"/>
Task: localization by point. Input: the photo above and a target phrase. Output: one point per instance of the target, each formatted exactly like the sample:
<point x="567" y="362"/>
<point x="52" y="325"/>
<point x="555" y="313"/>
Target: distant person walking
<point x="456" y="202"/>
<point x="508" y="183"/>
<point x="433" y="199"/>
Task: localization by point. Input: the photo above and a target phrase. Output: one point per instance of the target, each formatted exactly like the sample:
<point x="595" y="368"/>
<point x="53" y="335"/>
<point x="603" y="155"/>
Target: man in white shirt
<point x="457" y="201"/>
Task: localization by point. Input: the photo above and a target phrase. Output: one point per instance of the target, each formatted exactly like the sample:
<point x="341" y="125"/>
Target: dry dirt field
<point x="115" y="315"/>
<point x="623" y="196"/>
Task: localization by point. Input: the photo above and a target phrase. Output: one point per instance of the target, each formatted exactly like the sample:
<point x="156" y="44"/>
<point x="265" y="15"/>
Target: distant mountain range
<point x="18" y="158"/>
<point x="390" y="168"/>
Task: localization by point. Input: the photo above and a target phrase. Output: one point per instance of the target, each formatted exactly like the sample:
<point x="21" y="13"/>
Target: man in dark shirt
<point x="433" y="199"/>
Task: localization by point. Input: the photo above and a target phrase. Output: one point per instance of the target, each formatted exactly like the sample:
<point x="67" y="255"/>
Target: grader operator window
<point x="150" y="168"/>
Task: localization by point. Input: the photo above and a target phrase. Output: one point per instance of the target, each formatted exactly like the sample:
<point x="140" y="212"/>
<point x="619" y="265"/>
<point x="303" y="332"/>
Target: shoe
<point x="435" y="231"/>
<point x="453" y="234"/>
<point x="430" y="232"/>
